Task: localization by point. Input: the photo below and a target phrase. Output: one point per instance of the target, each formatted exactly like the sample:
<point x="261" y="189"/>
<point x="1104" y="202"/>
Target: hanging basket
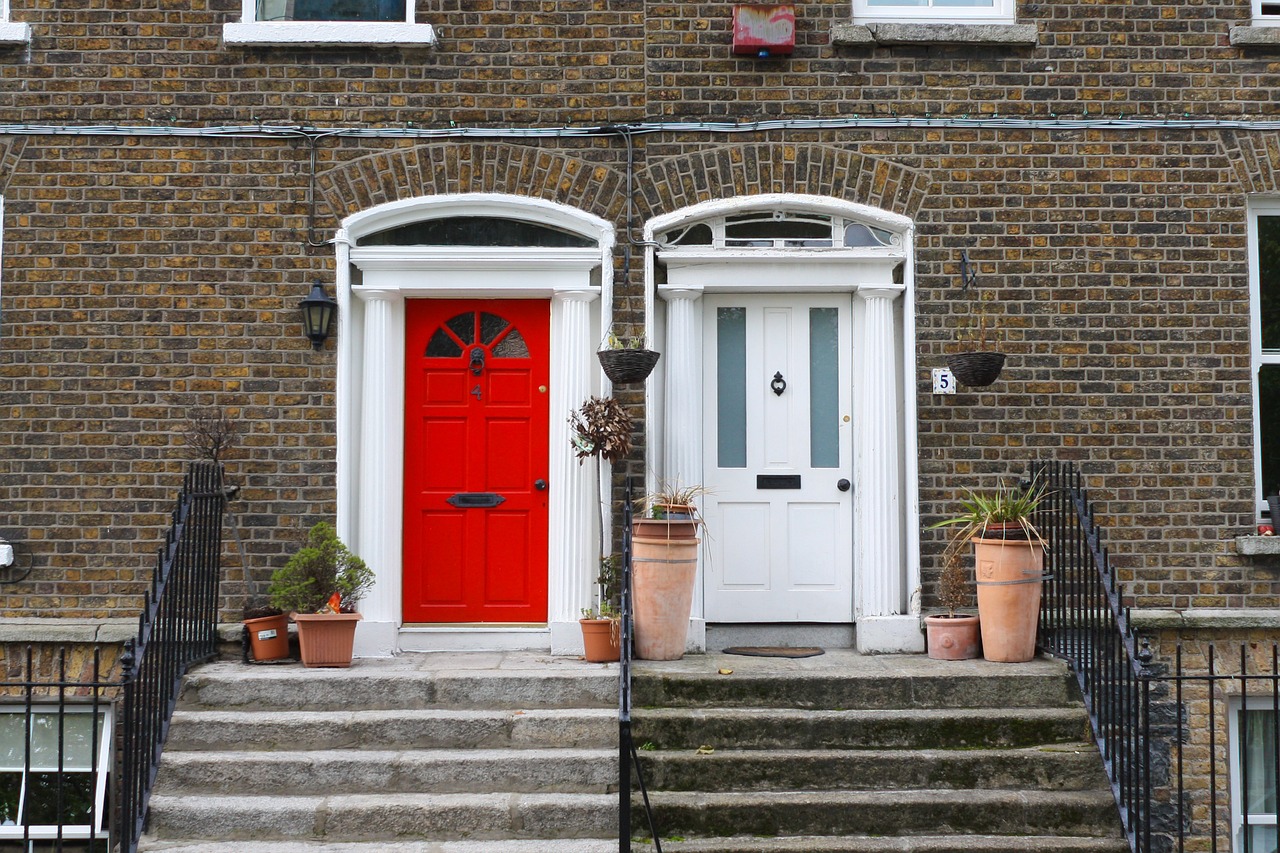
<point x="976" y="369"/>
<point x="623" y="366"/>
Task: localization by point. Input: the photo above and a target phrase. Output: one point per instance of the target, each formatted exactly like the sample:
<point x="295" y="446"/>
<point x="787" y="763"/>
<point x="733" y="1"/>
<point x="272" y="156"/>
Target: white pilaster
<point x="574" y="536"/>
<point x="682" y="428"/>
<point x="880" y="610"/>
<point x="381" y="473"/>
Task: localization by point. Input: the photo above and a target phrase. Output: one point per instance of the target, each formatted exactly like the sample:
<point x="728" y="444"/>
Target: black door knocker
<point x="778" y="384"/>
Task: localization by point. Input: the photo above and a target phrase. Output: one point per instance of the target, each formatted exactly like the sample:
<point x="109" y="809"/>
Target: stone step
<point x="881" y="813"/>
<point x="406" y="729"/>
<point x="1057" y="767"/>
<point x="384" y="817"/>
<point x="899" y="844"/>
<point x="787" y="728"/>
<point x="366" y="686"/>
<point x="562" y="845"/>
<point x="880" y="682"/>
<point x="393" y="771"/>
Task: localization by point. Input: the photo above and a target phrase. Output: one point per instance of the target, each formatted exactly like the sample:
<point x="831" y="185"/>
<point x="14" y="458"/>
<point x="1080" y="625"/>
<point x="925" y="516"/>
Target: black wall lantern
<point x="317" y="315"/>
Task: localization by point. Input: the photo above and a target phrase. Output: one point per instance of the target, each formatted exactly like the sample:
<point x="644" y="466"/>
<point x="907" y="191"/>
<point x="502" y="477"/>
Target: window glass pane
<point x="464" y="326"/>
<point x="758" y="230"/>
<point x="1269" y="427"/>
<point x="856" y="234"/>
<point x="442" y="345"/>
<point x="512" y="346"/>
<point x="78" y="737"/>
<point x="477" y="231"/>
<point x="984" y="4"/>
<point x="824" y="387"/>
<point x="1269" y="280"/>
<point x="1264" y="839"/>
<point x="731" y="387"/>
<point x="1258" y="760"/>
<point x="691" y="235"/>
<point x="54" y="795"/>
<point x="12" y="738"/>
<point x="331" y="10"/>
<point x="491" y="325"/>
<point x="10" y="791"/>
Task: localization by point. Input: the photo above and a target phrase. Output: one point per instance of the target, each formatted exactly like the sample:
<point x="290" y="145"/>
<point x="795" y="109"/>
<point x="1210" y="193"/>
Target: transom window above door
<point x="777" y="229"/>
<point x="477" y="231"/>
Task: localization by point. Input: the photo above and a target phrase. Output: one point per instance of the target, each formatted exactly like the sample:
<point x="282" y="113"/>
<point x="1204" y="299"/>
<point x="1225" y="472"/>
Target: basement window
<point x="1255" y="733"/>
<point x="54" y="768"/>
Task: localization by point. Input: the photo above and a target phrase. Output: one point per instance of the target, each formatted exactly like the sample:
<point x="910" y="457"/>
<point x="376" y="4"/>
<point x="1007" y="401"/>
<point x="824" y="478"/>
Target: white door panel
<point x="779" y="529"/>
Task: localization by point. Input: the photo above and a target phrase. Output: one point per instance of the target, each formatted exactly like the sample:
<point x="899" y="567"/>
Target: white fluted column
<point x="381" y="469"/>
<point x="879" y="605"/>
<point x="682" y="415"/>
<point x="572" y="547"/>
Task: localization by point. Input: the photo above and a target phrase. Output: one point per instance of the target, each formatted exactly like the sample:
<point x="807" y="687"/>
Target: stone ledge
<point x="1257" y="546"/>
<point x="1255" y="36"/>
<point x="14" y="34"/>
<point x="1009" y="35"/>
<point x="1206" y="618"/>
<point x="36" y="629"/>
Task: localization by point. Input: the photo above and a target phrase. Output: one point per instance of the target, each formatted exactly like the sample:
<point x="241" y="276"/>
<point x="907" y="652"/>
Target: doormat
<point x="774" y="651"/>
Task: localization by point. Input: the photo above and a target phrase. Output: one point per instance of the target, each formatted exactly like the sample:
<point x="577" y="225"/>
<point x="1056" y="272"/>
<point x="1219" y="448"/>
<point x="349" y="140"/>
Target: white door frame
<point x="372" y="284"/>
<point x="886" y="529"/>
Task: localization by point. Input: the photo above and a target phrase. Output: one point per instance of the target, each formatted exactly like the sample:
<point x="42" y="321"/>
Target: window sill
<point x="1255" y="36"/>
<point x="328" y="34"/>
<point x="1204" y="618"/>
<point x="1258" y="546"/>
<point x="15" y="34"/>
<point x="1011" y="35"/>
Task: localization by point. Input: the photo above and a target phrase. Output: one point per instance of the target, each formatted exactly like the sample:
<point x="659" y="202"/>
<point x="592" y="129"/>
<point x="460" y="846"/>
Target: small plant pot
<point x="326" y="639"/>
<point x="601" y="640"/>
<point x="952" y="637"/>
<point x="268" y="637"/>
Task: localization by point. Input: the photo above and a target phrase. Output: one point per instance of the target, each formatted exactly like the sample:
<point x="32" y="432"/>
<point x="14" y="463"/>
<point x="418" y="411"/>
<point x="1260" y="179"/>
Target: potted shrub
<point x="952" y="635"/>
<point x="625" y="359"/>
<point x="1008" y="566"/>
<point x="977" y="361"/>
<point x="601" y="431"/>
<point x="664" y="559"/>
<point x="601" y="633"/>
<point x="319" y="588"/>
<point x="268" y="631"/>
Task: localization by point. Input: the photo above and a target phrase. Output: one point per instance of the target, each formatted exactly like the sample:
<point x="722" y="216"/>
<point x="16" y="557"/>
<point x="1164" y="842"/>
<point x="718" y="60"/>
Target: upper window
<point x="935" y="11"/>
<point x="1266" y="13"/>
<point x="1264" y="268"/>
<point x="1255" y="733"/>
<point x="53" y="776"/>
<point x="776" y="229"/>
<point x="320" y="22"/>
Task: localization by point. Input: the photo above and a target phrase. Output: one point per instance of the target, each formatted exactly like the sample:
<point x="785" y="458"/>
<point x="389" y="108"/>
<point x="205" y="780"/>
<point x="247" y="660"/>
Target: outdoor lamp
<point x="317" y="314"/>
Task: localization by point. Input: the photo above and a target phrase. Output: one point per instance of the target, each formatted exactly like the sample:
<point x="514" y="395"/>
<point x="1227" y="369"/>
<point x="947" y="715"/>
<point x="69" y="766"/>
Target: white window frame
<point x="251" y="31"/>
<point x="106" y="735"/>
<point x="1259" y="703"/>
<point x="1263" y="20"/>
<point x="12" y="33"/>
<point x="1257" y="356"/>
<point x="1000" y="12"/>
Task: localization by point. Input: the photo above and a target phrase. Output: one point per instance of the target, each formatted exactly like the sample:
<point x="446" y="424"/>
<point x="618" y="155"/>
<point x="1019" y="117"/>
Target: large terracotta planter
<point x="673" y="527"/>
<point x="268" y="637"/>
<point x="952" y="637"/>
<point x="326" y="639"/>
<point x="601" y="640"/>
<point x="1010" y="575"/>
<point x="663" y="573"/>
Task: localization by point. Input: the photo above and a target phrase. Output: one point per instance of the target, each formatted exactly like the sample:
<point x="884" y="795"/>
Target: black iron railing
<point x="177" y="628"/>
<point x="628" y="757"/>
<point x="1174" y="737"/>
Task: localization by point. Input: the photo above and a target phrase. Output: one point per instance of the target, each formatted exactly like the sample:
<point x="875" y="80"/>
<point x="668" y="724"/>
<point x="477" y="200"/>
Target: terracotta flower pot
<point x="1010" y="575"/>
<point x="268" y="637"/>
<point x="326" y="639"/>
<point x="663" y="573"/>
<point x="601" y="640"/>
<point x="952" y="637"/>
<point x="664" y="528"/>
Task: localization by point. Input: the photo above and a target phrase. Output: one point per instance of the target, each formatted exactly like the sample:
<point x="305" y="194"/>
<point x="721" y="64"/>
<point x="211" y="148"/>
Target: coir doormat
<point x="774" y="651"/>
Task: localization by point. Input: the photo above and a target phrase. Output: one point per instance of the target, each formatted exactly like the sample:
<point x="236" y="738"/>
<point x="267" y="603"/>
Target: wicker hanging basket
<point x="976" y="369"/>
<point x="624" y="366"/>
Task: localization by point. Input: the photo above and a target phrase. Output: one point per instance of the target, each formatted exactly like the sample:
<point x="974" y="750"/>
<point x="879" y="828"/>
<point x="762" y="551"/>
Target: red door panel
<point x="476" y="425"/>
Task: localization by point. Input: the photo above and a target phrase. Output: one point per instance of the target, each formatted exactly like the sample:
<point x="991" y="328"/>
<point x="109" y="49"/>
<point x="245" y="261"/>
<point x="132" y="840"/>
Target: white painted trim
<point x="693" y="271"/>
<point x="999" y="12"/>
<point x="328" y="33"/>
<point x="12" y="33"/>
<point x="1257" y="206"/>
<point x="565" y="277"/>
<point x="1235" y="704"/>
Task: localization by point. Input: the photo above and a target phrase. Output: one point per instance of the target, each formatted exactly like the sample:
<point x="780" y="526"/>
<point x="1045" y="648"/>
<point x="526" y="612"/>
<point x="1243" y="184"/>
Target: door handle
<point x="540" y="485"/>
<point x="844" y="485"/>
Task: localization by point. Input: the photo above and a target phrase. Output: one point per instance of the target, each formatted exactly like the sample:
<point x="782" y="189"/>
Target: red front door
<point x="476" y="460"/>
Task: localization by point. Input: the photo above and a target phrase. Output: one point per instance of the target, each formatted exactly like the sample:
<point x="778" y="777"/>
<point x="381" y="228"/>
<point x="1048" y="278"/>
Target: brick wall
<point x="145" y="278"/>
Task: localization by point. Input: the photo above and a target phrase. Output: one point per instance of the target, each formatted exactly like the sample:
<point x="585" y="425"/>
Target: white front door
<point x="778" y="458"/>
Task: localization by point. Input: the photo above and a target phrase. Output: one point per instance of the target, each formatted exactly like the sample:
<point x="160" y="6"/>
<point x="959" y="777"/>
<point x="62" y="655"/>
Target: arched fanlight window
<point x="477" y="231"/>
<point x="777" y="229"/>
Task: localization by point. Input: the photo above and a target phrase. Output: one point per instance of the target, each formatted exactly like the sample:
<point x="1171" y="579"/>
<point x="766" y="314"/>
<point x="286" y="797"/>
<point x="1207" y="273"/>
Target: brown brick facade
<point x="148" y="276"/>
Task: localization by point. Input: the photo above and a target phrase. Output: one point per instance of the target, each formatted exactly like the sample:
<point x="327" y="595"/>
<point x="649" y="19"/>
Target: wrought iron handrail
<point x="628" y="757"/>
<point x="176" y="629"/>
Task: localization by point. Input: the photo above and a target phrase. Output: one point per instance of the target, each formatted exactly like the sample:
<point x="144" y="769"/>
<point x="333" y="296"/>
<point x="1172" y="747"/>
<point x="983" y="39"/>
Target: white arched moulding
<point x="373" y="283"/>
<point x="771" y="251"/>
